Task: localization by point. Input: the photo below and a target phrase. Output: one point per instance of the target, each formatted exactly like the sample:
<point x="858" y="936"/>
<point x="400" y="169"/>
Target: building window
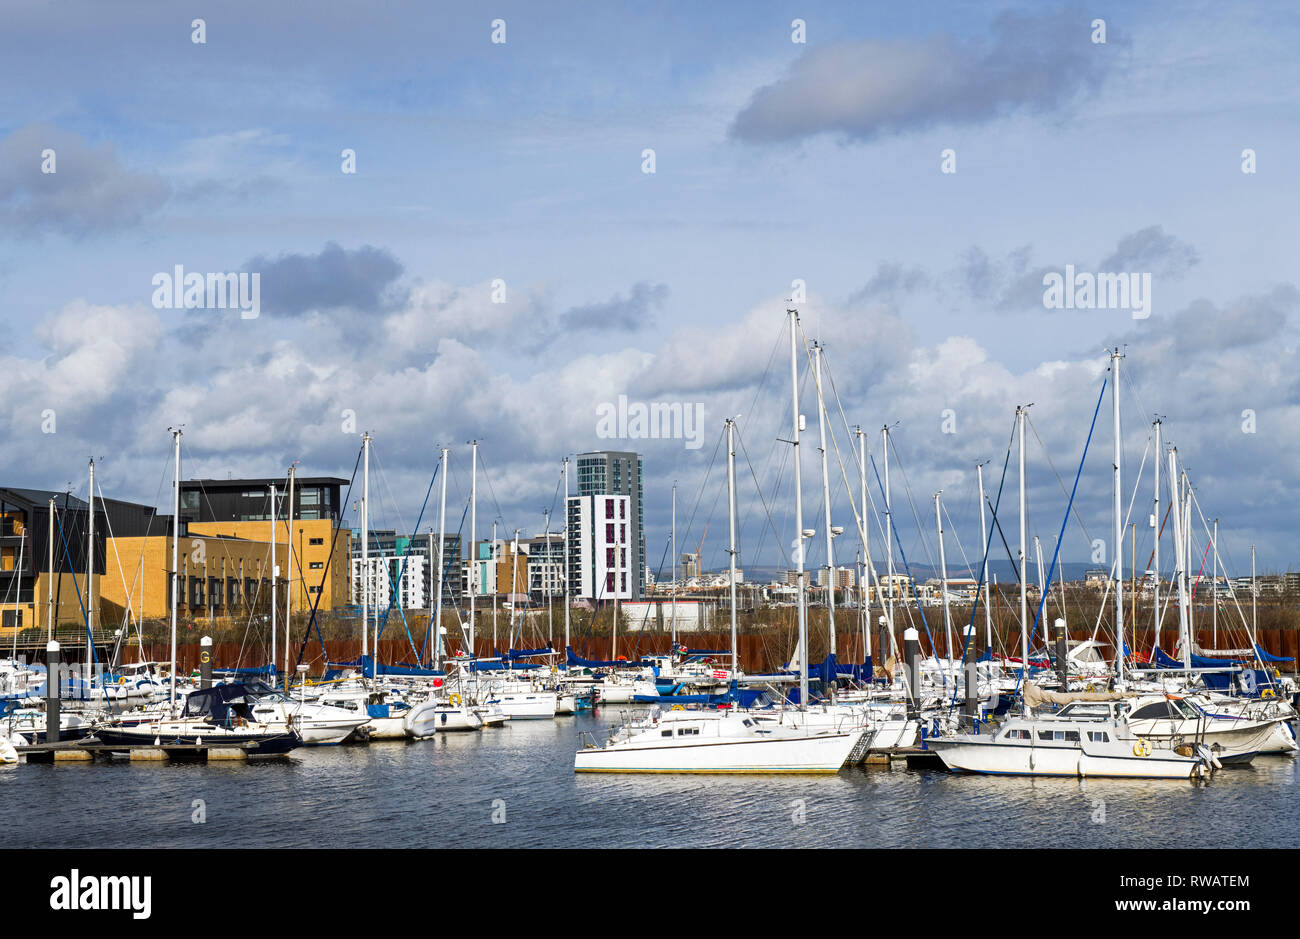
<point x="315" y="589"/>
<point x="609" y="533"/>
<point x="609" y="557"/>
<point x="13" y="619"/>
<point x="622" y="510"/>
<point x="315" y="541"/>
<point x="609" y="508"/>
<point x="609" y="583"/>
<point x="317" y="565"/>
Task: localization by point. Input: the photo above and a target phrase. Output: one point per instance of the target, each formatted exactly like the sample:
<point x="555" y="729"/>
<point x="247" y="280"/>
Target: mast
<point x="826" y="498"/>
<point x="1042" y="591"/>
<point x="496" y="587"/>
<point x="514" y="583"/>
<point x="442" y="566"/>
<point x="889" y="538"/>
<point x="673" y="620"/>
<point x="365" y="556"/>
<point x="943" y="574"/>
<point x="1179" y="560"/>
<point x="550" y="617"/>
<point x="801" y="595"/>
<point x="863" y="585"/>
<point x="984" y="533"/>
<point x="1024" y="597"/>
<point x="1254" y="593"/>
<point x="1118" y="530"/>
<point x="90" y="572"/>
<point x="566" y="555"/>
<point x="288" y="587"/>
<point x="1155" y="529"/>
<point x="176" y="561"/>
<point x="473" y="534"/>
<point x="274" y="604"/>
<point x="731" y="513"/>
<point x="1187" y="552"/>
<point x="49" y="586"/>
<point x="1214" y="587"/>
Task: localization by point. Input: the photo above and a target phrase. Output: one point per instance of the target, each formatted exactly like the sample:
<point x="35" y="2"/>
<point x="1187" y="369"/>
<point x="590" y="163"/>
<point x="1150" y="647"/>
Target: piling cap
<point x="52" y="646"/>
<point x="969" y="630"/>
<point x="911" y="635"/>
<point x="205" y="641"/>
<point x="1059" y="624"/>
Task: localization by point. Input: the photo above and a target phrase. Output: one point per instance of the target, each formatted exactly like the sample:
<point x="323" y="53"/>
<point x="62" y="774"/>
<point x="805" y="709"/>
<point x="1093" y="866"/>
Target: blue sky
<point x="775" y="161"/>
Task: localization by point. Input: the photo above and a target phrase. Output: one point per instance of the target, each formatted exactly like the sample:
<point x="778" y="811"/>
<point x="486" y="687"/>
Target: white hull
<point x="526" y="705"/>
<point x="424" y="720"/>
<point x="818" y="753"/>
<point x="387" y="728"/>
<point x="969" y="754"/>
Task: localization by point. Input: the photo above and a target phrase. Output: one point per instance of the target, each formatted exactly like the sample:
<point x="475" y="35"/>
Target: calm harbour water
<point x="441" y="793"/>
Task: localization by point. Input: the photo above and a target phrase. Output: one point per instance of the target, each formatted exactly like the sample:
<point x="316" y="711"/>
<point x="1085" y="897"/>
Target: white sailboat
<point x="704" y="741"/>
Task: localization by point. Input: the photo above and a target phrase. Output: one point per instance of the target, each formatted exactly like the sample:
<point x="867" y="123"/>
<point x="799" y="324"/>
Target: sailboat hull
<point x="821" y="753"/>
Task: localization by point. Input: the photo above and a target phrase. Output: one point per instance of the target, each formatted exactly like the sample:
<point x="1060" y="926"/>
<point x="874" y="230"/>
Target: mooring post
<point x="972" y="678"/>
<point x="53" y="674"/>
<point x="1062" y="649"/>
<point x="912" y="653"/>
<point x="205" y="663"/>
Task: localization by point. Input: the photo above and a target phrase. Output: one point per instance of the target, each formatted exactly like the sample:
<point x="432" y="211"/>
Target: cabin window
<point x="1044" y="735"/>
<point x="1158" y="711"/>
<point x="688" y="731"/>
<point x="1072" y="735"/>
<point x="1098" y="736"/>
<point x="1017" y="734"/>
<point x="665" y="733"/>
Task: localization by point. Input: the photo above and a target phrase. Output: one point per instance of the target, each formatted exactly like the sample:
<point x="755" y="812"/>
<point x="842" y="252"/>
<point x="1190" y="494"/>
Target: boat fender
<point x="1142" y="748"/>
<point x="678" y="707"/>
<point x="1267" y="693"/>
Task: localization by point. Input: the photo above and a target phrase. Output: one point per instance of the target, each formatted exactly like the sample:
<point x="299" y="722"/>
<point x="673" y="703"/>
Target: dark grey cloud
<point x="619" y="313"/>
<point x="891" y="280"/>
<point x="862" y="89"/>
<point x="361" y="279"/>
<point x="1207" y="329"/>
<point x="1151" y="249"/>
<point x="89" y="193"/>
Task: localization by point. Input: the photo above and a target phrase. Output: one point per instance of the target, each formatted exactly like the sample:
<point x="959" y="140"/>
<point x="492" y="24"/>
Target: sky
<point x="502" y="263"/>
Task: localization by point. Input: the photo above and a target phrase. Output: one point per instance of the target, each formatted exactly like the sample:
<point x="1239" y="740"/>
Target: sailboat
<point x="717" y="741"/>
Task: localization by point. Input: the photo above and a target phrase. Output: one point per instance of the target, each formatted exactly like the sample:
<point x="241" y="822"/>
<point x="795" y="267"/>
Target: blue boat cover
<point x="576" y="660"/>
<point x="1266" y="657"/>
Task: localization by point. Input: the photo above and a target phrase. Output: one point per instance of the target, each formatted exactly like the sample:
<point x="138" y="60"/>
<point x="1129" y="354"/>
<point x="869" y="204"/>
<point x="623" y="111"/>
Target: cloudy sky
<point x="520" y="167"/>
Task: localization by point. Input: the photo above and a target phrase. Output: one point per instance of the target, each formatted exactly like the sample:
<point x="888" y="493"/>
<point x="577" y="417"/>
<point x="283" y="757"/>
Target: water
<point x="443" y="792"/>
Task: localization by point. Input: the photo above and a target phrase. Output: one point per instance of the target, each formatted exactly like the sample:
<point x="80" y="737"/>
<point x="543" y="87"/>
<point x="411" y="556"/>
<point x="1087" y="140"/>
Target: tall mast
<point x="176" y="560"/>
<point x="889" y="580"/>
<point x="1118" y="530"/>
<point x="1155" y="531"/>
<point x="1179" y="559"/>
<point x="90" y="571"/>
<point x="1254" y="593"/>
<point x="1187" y="551"/>
<point x="365" y="555"/>
<point x="496" y="587"/>
<point x="442" y="566"/>
<point x="275" y="613"/>
<point x="1042" y="590"/>
<point x="731" y="513"/>
<point x="473" y="534"/>
<point x="864" y="581"/>
<point x="1214" y="587"/>
<point x="550" y="593"/>
<point x="826" y="498"/>
<point x="801" y="595"/>
<point x="1024" y="572"/>
<point x="288" y="587"/>
<point x="984" y="534"/>
<point x="673" y="620"/>
<point x="943" y="574"/>
<point x="49" y="586"/>
<point x="566" y="555"/>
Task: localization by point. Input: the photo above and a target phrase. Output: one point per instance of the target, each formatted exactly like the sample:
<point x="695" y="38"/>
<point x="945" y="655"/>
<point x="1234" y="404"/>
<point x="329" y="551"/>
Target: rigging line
<point x="907" y="488"/>
<point x="988" y="543"/>
<point x="704" y="485"/>
<point x="1047" y="585"/>
<point x="1059" y="481"/>
<point x="334" y="541"/>
<point x="771" y="523"/>
<point x="394" y="586"/>
<point x="753" y="404"/>
<point x="934" y="649"/>
<point x="864" y="519"/>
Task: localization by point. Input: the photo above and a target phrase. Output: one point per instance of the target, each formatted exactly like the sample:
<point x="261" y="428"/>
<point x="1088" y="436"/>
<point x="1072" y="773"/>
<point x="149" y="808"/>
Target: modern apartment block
<point x="602" y="553"/>
<point x="608" y="473"/>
